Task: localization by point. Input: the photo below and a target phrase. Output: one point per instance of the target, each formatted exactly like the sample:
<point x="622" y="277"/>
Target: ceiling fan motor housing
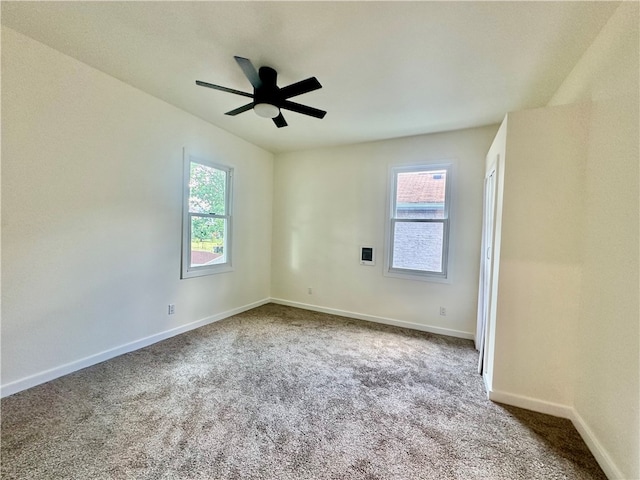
<point x="267" y="92"/>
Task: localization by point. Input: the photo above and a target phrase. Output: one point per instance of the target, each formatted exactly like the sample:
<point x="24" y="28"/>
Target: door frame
<point x="486" y="260"/>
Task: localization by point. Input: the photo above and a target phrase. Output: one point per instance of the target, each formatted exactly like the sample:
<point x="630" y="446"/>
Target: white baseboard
<point x="529" y="403"/>
<point x="372" y="318"/>
<point x="59" y="371"/>
<point x="564" y="411"/>
<point x="486" y="379"/>
<point x="599" y="452"/>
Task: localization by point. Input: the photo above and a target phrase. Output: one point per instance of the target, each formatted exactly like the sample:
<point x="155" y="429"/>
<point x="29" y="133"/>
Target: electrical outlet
<point x="310" y="291"/>
<point x="172" y="309"/>
<point x="443" y="311"/>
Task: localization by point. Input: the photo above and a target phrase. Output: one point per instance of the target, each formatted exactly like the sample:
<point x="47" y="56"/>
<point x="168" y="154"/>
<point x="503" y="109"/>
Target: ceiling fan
<point x="268" y="98"/>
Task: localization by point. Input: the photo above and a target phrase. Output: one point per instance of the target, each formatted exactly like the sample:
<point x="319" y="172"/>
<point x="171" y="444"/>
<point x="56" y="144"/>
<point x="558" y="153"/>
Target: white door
<point x="484" y="291"/>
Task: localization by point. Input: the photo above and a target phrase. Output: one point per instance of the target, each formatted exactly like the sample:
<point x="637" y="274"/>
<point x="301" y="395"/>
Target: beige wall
<point x="91" y="213"/>
<point x="328" y="202"/>
<point x="607" y="373"/>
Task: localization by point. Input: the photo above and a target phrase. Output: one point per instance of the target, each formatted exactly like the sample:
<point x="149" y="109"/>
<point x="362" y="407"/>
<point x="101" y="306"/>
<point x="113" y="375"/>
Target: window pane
<point x="420" y="194"/>
<point x="207" y="241"/>
<point x="207" y="189"/>
<point x="418" y="246"/>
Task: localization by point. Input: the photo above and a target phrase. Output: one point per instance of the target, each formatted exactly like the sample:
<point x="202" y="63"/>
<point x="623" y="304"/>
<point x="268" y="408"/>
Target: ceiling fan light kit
<point x="268" y="98"/>
<point x="266" y="110"/>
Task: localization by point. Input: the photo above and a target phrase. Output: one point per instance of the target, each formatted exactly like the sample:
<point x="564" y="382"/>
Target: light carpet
<point x="283" y="393"/>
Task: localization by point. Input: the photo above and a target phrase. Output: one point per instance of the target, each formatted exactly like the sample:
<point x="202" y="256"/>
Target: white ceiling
<point x="388" y="69"/>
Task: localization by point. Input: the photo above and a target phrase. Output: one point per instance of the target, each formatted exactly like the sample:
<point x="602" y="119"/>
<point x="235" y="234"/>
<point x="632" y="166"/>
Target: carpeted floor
<point x="282" y="393"/>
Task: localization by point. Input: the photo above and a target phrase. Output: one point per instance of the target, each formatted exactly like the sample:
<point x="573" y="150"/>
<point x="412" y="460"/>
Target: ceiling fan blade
<point x="224" y="89"/>
<point x="303" y="86"/>
<point x="241" y="109"/>
<point x="280" y="121"/>
<point x="249" y="71"/>
<point x="305" y="110"/>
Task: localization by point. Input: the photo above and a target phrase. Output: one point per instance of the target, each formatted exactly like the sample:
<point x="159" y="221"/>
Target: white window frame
<point x="187" y="270"/>
<point x="420" y="275"/>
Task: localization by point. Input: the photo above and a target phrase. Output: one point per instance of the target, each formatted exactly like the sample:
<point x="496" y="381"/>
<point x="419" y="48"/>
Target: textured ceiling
<point x="388" y="69"/>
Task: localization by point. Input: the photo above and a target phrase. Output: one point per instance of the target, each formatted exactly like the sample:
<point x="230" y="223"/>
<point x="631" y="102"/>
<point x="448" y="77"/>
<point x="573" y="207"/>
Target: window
<point x="418" y="227"/>
<point x="206" y="221"/>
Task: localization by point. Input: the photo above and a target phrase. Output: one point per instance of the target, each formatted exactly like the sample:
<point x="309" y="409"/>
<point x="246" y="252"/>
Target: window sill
<point x="417" y="277"/>
<point x="203" y="272"/>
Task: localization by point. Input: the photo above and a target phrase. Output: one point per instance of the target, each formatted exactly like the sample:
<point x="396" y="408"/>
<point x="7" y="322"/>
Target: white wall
<point x="540" y="223"/>
<point x="328" y="202"/>
<point x="607" y="373"/>
<point x="91" y="186"/>
<point x="91" y="214"/>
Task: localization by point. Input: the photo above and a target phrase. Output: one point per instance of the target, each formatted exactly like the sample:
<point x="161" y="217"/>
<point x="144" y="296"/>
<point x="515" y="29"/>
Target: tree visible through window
<point x="419" y="221"/>
<point x="207" y="218"/>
